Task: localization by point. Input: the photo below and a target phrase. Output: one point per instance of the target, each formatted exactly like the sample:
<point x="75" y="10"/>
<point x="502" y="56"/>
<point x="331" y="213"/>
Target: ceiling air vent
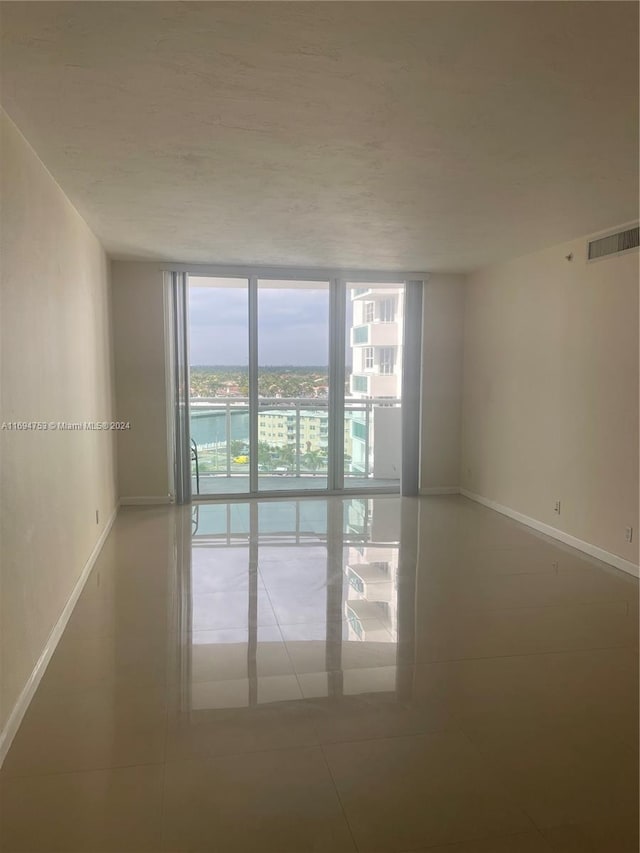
<point x="614" y="244"/>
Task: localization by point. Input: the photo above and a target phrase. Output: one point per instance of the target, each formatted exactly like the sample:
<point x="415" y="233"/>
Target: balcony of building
<point x="377" y="385"/>
<point x="292" y="444"/>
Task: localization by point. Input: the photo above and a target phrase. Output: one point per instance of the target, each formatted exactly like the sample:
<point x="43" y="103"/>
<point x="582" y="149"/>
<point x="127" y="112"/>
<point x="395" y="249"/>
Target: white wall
<point x="138" y="323"/>
<point x="550" y="397"/>
<point x="55" y="358"/>
<point x="442" y="343"/>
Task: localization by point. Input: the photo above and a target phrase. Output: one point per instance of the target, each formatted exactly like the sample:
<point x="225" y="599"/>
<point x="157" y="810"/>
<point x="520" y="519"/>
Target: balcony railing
<point x="293" y="436"/>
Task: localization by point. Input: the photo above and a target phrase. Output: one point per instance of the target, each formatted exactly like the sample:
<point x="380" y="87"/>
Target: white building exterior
<point x="376" y="336"/>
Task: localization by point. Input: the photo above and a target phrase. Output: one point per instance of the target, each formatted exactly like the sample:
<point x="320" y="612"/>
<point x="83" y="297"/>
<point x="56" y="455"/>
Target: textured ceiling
<point x="437" y="136"/>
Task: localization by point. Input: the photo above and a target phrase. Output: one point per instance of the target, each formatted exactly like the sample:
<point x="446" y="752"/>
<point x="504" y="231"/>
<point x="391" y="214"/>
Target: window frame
<point x="387" y="307"/>
<point x="386" y="361"/>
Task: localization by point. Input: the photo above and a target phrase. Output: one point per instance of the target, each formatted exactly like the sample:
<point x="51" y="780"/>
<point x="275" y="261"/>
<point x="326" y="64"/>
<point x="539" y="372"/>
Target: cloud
<point x="293" y="326"/>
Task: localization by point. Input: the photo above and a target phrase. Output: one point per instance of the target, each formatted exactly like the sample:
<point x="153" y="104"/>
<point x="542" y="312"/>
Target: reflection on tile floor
<point x="334" y="675"/>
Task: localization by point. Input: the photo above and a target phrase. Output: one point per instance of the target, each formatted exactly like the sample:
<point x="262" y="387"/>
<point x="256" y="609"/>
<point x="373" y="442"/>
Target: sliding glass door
<point x="295" y="385"/>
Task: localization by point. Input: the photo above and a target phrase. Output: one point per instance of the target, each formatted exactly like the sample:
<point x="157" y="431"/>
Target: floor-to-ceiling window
<point x="219" y="384"/>
<point x="295" y="384"/>
<point x="373" y="394"/>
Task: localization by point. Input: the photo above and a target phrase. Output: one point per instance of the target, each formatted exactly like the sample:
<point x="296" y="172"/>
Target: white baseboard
<point x="440" y="490"/>
<point x="548" y="530"/>
<point x="26" y="695"/>
<point x="147" y="500"/>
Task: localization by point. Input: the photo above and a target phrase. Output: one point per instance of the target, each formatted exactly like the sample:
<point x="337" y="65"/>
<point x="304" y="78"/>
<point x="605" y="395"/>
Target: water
<point x="209" y="429"/>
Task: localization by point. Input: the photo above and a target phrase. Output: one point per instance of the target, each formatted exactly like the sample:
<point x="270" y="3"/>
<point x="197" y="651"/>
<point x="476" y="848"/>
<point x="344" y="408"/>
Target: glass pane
<point x="373" y="404"/>
<point x="219" y="365"/>
<point x="293" y="384"/>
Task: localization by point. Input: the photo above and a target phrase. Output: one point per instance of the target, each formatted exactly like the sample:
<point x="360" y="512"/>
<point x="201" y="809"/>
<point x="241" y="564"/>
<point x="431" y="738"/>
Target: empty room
<point x="319" y="445"/>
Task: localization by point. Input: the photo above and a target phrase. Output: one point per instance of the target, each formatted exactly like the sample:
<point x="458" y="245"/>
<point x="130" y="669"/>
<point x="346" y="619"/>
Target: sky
<point x="293" y="325"/>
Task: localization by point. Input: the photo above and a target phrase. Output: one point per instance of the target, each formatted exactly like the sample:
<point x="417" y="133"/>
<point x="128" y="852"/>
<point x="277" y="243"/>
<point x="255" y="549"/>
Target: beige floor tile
<point x="565" y="773"/>
<point x="123" y="614"/>
<point x="215" y="611"/>
<point x="140" y="544"/>
<point x="471" y="530"/>
<point x="541" y="556"/>
<point x="374" y="647"/>
<point x="295" y="603"/>
<point x="455" y="558"/>
<point x="134" y="573"/>
<point x="474" y="590"/>
<point x="244" y="692"/>
<point x="305" y="568"/>
<point x="104" y="727"/>
<point x="551" y="688"/>
<point x="91" y="660"/>
<point x="410" y="792"/>
<point x="193" y="733"/>
<point x="572" y="561"/>
<point x="523" y="842"/>
<point x="617" y="836"/>
<point x="321" y="631"/>
<point x="219" y="569"/>
<point x="102" y="811"/>
<point x="377" y="679"/>
<point x="452" y="633"/>
<point x="485" y="535"/>
<point x="523" y="704"/>
<point x="272" y="802"/>
<point x="383" y="706"/>
<point x="227" y="654"/>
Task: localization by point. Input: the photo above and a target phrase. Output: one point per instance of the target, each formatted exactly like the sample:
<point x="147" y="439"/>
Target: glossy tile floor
<point x="334" y="675"/>
<point x="238" y="485"/>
